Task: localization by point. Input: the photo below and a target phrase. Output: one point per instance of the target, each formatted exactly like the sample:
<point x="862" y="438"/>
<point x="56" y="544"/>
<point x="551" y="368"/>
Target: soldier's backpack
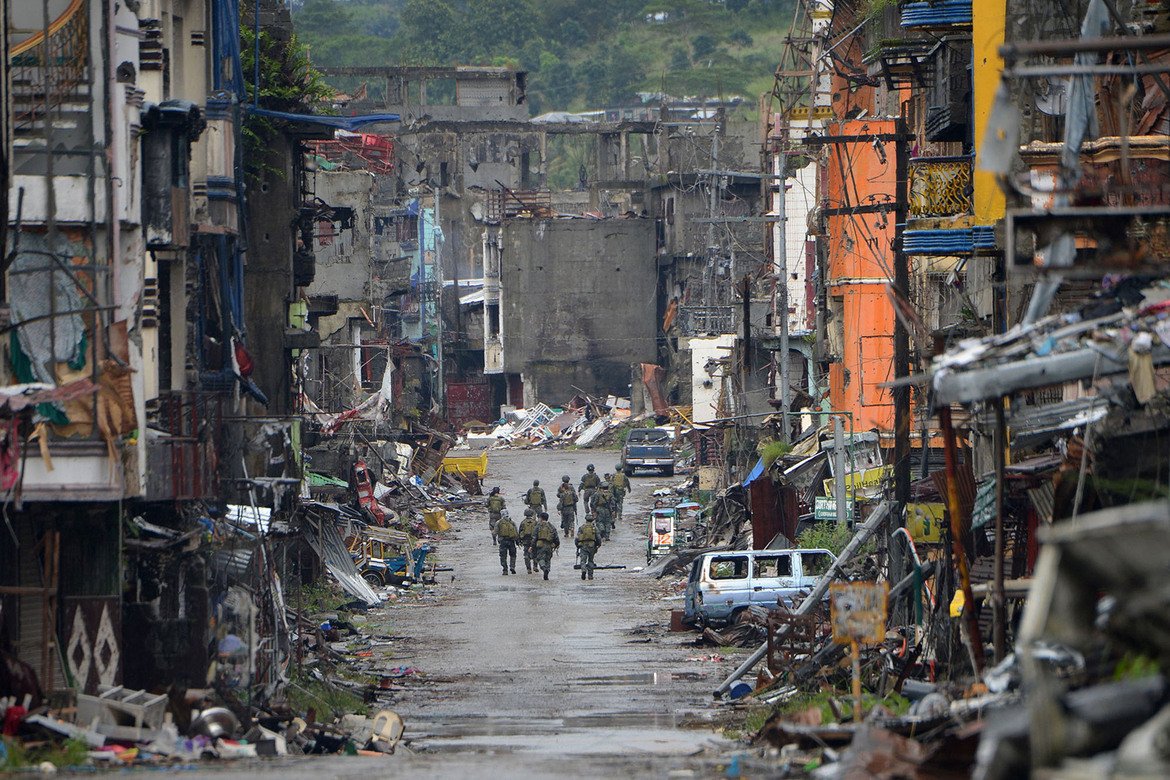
<point x="587" y="534"/>
<point x="546" y="533"/>
<point x="506" y="529"/>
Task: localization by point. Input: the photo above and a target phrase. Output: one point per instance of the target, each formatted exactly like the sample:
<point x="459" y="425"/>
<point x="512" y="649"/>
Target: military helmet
<point x="529" y="512"/>
<point x="536" y="483"/>
<point x="565" y="478"/>
<point x="604" y="485"/>
<point x="618" y="467"/>
<point x="589" y="467"/>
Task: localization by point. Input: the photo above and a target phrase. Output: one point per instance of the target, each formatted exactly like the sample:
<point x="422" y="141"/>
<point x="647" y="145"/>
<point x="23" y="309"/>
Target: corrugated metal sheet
<point x="1043" y="498"/>
<point x="957" y="241"/>
<point x="326" y="540"/>
<point x="966" y="483"/>
<point x="941" y="13"/>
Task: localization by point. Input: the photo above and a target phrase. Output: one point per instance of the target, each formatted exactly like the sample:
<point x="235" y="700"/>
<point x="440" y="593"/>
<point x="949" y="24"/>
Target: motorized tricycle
<point x="660" y="533"/>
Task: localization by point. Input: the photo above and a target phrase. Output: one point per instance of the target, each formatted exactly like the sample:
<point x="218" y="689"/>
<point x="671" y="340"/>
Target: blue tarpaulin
<point x="350" y="123"/>
<point x="754" y="473"/>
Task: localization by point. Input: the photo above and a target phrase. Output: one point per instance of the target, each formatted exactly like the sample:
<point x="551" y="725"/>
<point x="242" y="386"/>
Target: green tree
<point x="429" y="29"/>
<point x="740" y="37"/>
<point x="679" y="59"/>
<point x="324" y="16"/>
<point x="572" y="33"/>
<point x="702" y="45"/>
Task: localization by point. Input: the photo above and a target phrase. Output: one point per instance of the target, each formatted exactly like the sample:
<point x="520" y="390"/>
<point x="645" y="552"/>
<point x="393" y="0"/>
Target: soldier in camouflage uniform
<point x="546" y="542"/>
<point x="534" y="498"/>
<point x="589" y="484"/>
<point x="621" y="486"/>
<point x="603" y="509"/>
<point x="495" y="505"/>
<point x="527" y="535"/>
<point x="507" y="532"/>
<point x="567" y="502"/>
<point x="587" y="544"/>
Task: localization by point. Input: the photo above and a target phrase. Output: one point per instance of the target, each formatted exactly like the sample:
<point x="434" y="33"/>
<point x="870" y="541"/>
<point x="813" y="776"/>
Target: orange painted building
<point x="859" y="172"/>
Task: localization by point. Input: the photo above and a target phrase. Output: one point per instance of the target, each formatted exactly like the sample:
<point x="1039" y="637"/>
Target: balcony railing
<point x="940" y="187"/>
<point x="42" y="80"/>
<point x="703" y="320"/>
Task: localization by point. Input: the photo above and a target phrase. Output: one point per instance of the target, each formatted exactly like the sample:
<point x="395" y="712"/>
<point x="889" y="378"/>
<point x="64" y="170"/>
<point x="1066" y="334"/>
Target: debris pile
<point x="584" y="422"/>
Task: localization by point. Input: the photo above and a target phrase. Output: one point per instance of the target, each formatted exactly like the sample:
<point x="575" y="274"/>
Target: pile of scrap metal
<point x="117" y="727"/>
<point x="584" y="422"/>
<point x="1082" y="694"/>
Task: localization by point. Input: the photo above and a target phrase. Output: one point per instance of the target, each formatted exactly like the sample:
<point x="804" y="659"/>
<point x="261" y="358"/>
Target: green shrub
<point x="830" y="535"/>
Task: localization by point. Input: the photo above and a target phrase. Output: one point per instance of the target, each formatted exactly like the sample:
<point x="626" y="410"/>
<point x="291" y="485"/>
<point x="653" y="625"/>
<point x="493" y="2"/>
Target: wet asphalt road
<point x="527" y="678"/>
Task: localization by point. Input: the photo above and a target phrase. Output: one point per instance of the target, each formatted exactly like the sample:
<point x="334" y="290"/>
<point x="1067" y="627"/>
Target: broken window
<point x="729" y="568"/>
<point x="492" y="320"/>
<point x="815" y="564"/>
<point x="772" y="567"/>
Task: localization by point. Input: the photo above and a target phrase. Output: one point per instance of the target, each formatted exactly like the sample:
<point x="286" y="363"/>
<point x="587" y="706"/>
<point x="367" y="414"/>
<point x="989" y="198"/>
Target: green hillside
<point x="579" y="53"/>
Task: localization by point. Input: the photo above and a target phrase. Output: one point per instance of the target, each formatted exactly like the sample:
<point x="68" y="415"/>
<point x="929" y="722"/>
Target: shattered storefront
<point x="60" y="594"/>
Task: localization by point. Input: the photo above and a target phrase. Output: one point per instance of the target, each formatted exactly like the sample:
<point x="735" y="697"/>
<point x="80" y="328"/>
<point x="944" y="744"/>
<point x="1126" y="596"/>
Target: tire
<point x="373" y="578"/>
<point x="736" y="616"/>
<point x="668" y="471"/>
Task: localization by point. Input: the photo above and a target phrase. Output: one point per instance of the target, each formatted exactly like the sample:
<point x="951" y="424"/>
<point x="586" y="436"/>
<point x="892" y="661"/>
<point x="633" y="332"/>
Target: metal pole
<point x="998" y="605"/>
<point x="782" y="273"/>
<point x="712" y="200"/>
<point x="839" y="470"/>
<point x="439" y="240"/>
<point x="958" y="532"/>
<point x="896" y="561"/>
<point x="901" y="391"/>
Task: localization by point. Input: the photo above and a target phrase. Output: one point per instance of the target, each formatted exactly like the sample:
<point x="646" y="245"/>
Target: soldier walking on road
<point x="534" y="498"/>
<point x="621" y="486"/>
<point x="547" y="542"/>
<point x="495" y="506"/>
<point x="589" y="484"/>
<point x="527" y="534"/>
<point x="567" y="502"/>
<point x="603" y="509"/>
<point x="506" y="531"/>
<point x="587" y="544"/>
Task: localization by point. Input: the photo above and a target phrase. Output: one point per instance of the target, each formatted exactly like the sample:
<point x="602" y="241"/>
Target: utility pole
<point x="439" y="240"/>
<point x="901" y="334"/>
<point x="782" y="274"/>
<point x="839" y="470"/>
<point x="712" y="202"/>
<point x="897" y="559"/>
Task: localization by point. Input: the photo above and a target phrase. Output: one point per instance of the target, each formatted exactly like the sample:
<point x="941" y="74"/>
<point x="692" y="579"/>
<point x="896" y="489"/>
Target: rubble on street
<point x="570" y="405"/>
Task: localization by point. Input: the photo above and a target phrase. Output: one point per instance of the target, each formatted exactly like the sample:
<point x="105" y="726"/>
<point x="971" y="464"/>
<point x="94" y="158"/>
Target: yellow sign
<point x="864" y="482"/>
<point x="924" y="521"/>
<point x="857" y="611"/>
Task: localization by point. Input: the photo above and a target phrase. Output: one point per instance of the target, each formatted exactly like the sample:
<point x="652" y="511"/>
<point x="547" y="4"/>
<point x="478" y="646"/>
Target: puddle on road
<point x="600" y="733"/>
<point x="641" y="678"/>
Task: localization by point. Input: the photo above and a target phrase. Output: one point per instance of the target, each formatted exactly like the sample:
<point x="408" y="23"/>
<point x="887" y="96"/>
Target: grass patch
<point x="320" y="596"/>
<point x="772" y="451"/>
<point x="751" y="723"/>
<point x="305" y="693"/>
<point x="71" y="752"/>
<point x="898" y="705"/>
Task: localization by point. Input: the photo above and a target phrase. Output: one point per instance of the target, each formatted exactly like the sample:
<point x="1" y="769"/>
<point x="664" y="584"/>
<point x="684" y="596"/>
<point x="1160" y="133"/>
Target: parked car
<point x="724" y="584"/>
<point x="648" y="448"/>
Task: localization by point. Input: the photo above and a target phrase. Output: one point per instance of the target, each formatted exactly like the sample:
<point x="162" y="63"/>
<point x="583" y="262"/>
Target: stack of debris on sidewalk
<point x="585" y="421"/>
